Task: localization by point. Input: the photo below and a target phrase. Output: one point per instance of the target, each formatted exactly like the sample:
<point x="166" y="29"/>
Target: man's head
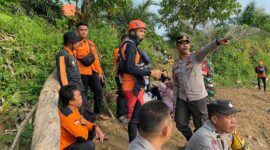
<point x="82" y="29"/>
<point x="71" y="40"/>
<point x="183" y="44"/>
<point x="260" y="63"/>
<point x="222" y="115"/>
<point x="137" y="29"/>
<point x="155" y="121"/>
<point x="69" y="95"/>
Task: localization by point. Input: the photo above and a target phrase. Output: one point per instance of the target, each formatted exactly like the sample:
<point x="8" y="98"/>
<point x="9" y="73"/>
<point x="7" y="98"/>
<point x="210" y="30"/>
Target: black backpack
<point x="120" y="59"/>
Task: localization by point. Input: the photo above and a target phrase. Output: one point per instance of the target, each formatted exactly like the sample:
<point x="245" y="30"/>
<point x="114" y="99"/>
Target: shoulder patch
<point x="66" y="111"/>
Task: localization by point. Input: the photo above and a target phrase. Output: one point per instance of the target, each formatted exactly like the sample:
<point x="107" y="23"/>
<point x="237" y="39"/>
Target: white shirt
<point x="140" y="143"/>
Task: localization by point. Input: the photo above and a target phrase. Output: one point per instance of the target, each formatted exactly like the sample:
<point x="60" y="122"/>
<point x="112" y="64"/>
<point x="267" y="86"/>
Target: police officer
<point x="216" y="133"/>
<point x="189" y="90"/>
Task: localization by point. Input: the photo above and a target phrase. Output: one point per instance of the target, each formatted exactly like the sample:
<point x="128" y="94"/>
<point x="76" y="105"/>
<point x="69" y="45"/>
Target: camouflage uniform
<point x="208" y="74"/>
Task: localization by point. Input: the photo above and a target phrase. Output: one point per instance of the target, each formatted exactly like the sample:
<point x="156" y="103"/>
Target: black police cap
<point x="222" y="106"/>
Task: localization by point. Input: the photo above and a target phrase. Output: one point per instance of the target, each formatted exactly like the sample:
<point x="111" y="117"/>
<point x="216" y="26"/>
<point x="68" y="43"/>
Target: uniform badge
<point x="184" y="38"/>
<point x="215" y="145"/>
<point x="73" y="63"/>
<point x="76" y="121"/>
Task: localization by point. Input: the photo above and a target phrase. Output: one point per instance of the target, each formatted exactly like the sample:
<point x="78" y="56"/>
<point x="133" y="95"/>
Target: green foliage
<point x="24" y="68"/>
<point x="235" y="63"/>
<point x="48" y="9"/>
<point x="175" y="12"/>
<point x="25" y="139"/>
<point x="255" y="17"/>
<point x="140" y="12"/>
<point x="94" y="11"/>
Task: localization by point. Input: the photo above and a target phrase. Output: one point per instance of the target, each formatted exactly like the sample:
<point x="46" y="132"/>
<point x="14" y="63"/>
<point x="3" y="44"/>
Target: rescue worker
<point x="218" y="132"/>
<point x="189" y="91"/>
<point x="132" y="75"/>
<point x="261" y="73"/>
<point x="68" y="70"/>
<point x="122" y="107"/>
<point x="74" y="127"/>
<point x="91" y="72"/>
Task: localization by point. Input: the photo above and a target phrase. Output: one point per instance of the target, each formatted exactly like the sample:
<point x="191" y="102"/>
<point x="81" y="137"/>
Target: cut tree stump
<point x="46" y="134"/>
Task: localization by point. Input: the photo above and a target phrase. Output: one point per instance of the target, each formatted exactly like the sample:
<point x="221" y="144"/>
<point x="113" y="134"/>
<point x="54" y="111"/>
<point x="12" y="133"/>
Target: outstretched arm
<point x="211" y="47"/>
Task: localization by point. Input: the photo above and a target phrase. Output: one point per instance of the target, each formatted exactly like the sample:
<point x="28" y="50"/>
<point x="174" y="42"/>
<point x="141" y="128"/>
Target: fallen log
<point x="47" y="124"/>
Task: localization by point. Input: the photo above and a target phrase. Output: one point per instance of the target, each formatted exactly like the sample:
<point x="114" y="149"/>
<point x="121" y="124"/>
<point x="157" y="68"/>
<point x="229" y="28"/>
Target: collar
<point x="145" y="142"/>
<point x="135" y="40"/>
<point x="209" y="126"/>
<point x="70" y="52"/>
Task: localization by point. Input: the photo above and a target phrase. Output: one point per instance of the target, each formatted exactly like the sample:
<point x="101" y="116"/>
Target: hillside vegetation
<point x="29" y="42"/>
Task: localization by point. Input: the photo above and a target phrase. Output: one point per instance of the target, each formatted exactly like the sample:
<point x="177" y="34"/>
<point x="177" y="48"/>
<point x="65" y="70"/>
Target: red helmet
<point x="136" y="24"/>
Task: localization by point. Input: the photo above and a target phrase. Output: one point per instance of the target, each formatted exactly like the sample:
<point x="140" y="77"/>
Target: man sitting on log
<point x="74" y="127"/>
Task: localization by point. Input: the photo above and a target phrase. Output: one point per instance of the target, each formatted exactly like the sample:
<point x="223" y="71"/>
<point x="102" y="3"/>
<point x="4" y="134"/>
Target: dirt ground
<point x="253" y="121"/>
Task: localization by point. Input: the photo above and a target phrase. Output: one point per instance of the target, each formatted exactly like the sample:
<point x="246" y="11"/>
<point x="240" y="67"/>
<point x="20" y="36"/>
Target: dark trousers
<point x="264" y="82"/>
<point x="134" y="105"/>
<point x="88" y="145"/>
<point x="184" y="110"/>
<point x="156" y="93"/>
<point x="85" y="109"/>
<point x="83" y="145"/>
<point x="133" y="124"/>
<point x="94" y="83"/>
<point x="121" y="107"/>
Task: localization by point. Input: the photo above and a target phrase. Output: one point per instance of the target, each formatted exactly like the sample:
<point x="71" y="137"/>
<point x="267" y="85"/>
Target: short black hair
<point x="66" y="93"/>
<point x="152" y="116"/>
<point x="81" y="24"/>
<point x="124" y="36"/>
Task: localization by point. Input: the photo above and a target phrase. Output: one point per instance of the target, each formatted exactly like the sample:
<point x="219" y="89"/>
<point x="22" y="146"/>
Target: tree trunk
<point x="47" y="124"/>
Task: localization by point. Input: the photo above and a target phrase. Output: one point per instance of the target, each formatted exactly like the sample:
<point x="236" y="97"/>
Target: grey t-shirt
<point x="140" y="143"/>
<point x="206" y="138"/>
<point x="188" y="76"/>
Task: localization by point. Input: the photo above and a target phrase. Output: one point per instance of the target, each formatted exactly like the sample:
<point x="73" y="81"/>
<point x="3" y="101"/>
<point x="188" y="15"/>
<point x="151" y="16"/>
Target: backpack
<point x="120" y="62"/>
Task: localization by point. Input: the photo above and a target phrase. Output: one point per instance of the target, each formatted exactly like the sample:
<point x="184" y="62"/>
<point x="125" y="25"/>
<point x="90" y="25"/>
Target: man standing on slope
<point x="91" y="72"/>
<point x="260" y="70"/>
<point x="189" y="89"/>
<point x="122" y="107"/>
<point x="68" y="70"/>
<point x="132" y="75"/>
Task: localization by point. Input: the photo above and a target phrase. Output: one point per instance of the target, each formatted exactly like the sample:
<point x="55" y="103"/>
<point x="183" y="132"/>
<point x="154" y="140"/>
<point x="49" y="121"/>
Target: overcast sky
<point x="264" y="4"/>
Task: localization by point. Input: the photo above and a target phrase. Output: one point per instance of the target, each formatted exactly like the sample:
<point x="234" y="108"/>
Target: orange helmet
<point x="136" y="24"/>
<point x="261" y="63"/>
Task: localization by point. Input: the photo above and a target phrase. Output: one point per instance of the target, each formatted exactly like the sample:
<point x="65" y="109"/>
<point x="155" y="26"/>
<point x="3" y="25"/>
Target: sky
<point x="264" y="4"/>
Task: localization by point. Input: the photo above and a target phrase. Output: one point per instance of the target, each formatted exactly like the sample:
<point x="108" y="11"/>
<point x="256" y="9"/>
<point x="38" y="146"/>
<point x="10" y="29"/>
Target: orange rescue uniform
<point x="71" y="127"/>
<point x="85" y="47"/>
<point x="129" y="79"/>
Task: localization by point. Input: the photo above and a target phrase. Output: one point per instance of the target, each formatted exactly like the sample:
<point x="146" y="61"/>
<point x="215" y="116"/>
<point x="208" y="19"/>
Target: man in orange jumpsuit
<point x="74" y="127"/>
